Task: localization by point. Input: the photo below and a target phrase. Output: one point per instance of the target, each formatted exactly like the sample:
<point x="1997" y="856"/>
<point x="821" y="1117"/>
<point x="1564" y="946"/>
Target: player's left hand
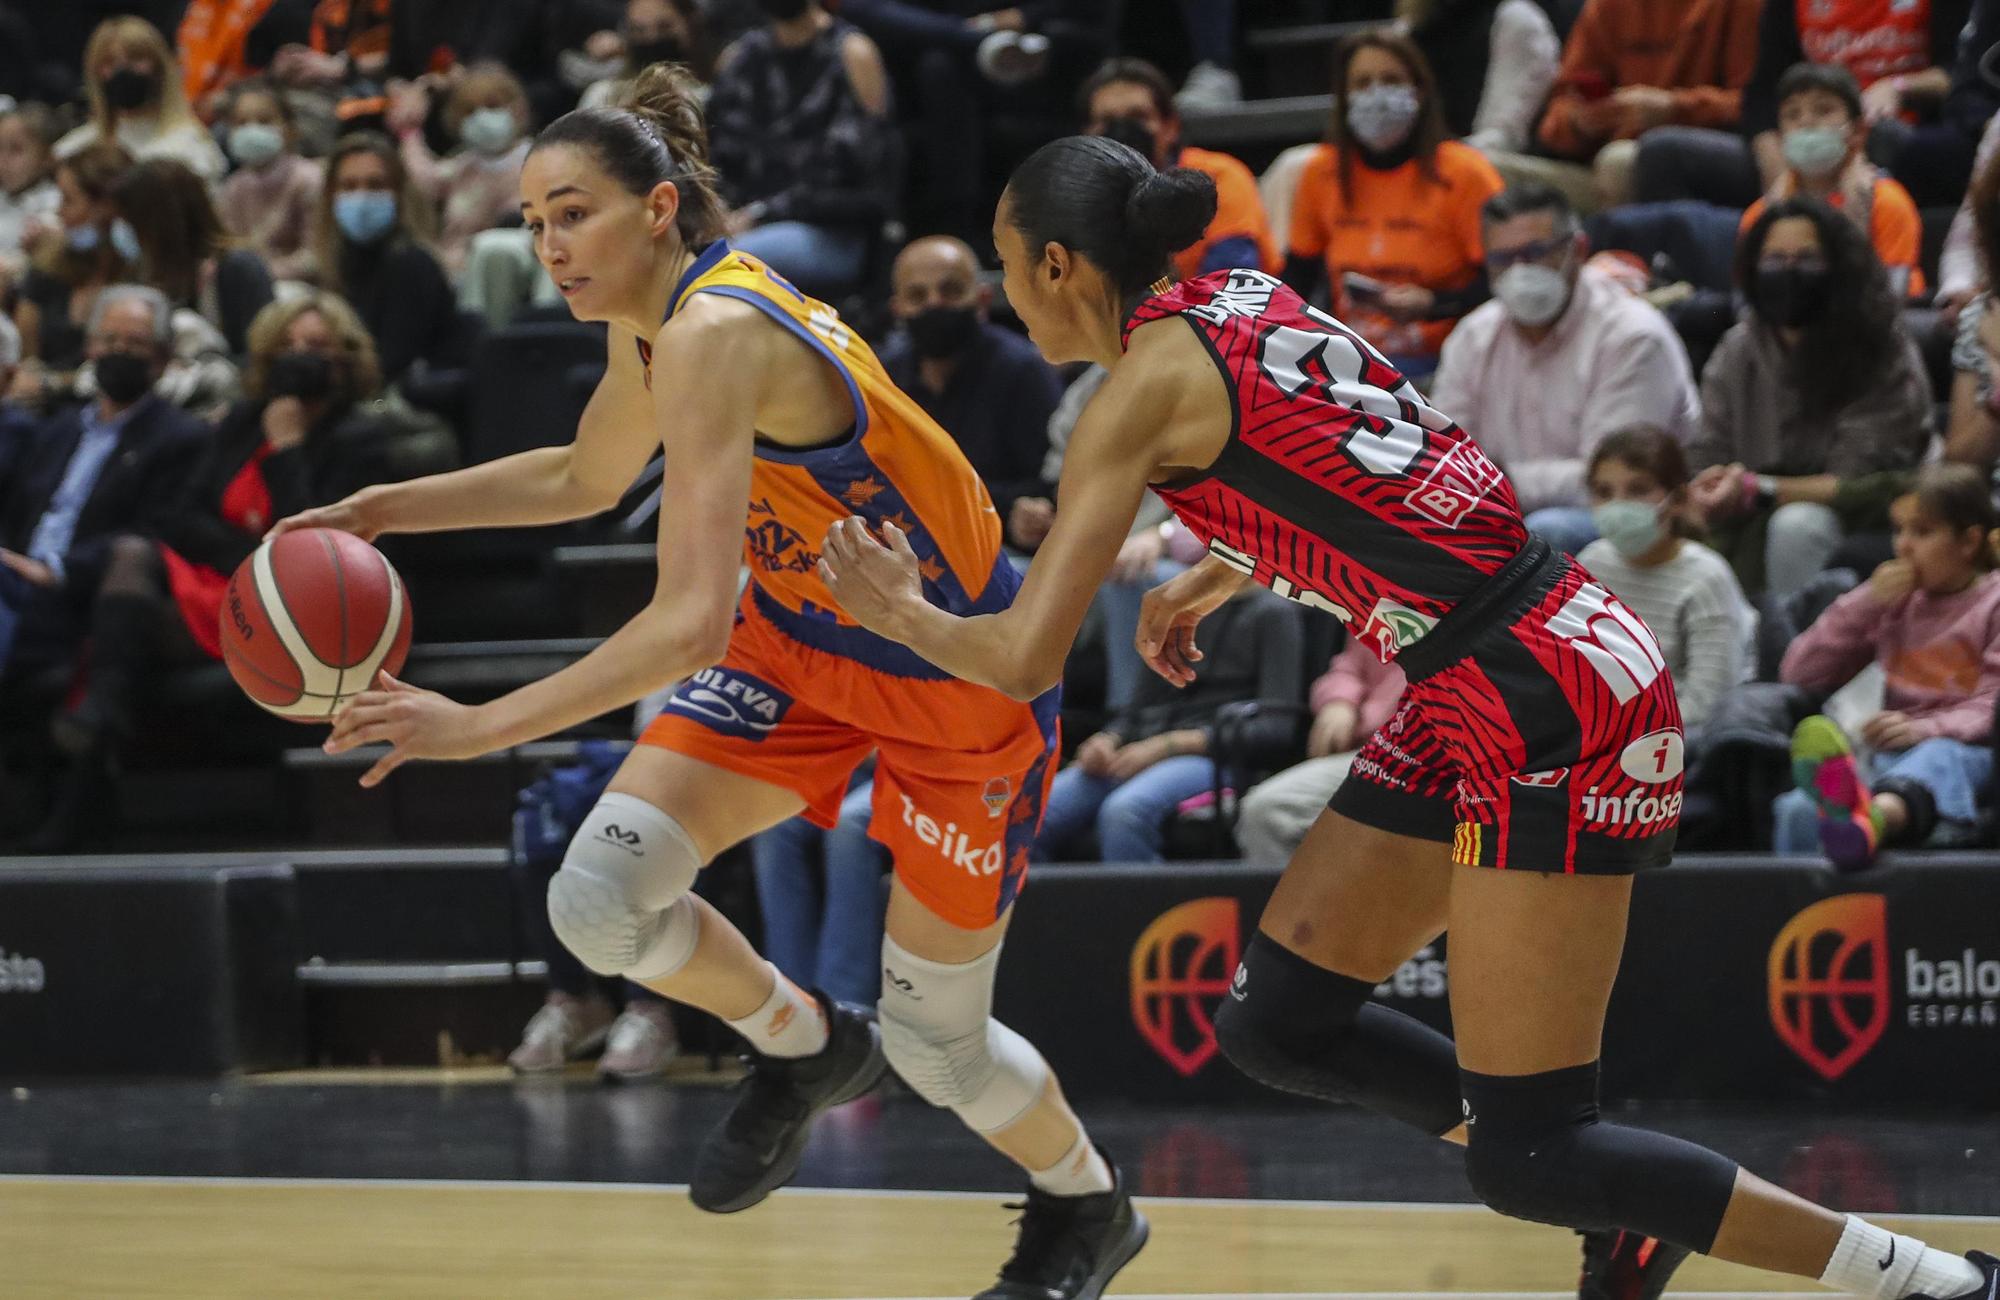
<point x="872" y="582"/>
<point x="416" y="723"/>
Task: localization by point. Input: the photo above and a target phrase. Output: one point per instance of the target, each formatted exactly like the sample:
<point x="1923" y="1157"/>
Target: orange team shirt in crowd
<point x="1872" y="39"/>
<point x="1239" y="212"/>
<point x="1702" y="54"/>
<point x="1401" y="228"/>
<point x="1894" y="228"/>
<point x="210" y="42"/>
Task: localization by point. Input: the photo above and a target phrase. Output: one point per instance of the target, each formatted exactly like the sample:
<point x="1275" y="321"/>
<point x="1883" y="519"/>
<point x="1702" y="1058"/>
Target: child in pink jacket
<point x="1931" y="617"/>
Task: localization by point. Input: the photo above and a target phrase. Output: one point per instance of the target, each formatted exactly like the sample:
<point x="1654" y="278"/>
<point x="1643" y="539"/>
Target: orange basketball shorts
<point x="961" y="772"/>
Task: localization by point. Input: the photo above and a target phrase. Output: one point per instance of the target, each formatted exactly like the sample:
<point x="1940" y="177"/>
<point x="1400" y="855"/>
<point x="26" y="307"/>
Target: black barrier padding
<point x="153" y="970"/>
<point x="1743" y="980"/>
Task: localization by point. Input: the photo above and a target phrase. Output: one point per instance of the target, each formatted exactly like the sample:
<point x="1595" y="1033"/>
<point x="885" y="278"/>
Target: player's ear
<point x="1057" y="265"/>
<point x="663" y="205"/>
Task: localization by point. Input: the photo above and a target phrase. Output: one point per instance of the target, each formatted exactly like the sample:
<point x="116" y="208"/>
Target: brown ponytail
<point x="658" y="136"/>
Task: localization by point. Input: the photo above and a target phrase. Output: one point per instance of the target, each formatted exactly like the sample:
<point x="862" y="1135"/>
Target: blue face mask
<point x="1632" y="527"/>
<point x="124" y="240"/>
<point x="82" y="239"/>
<point x="365" y="216"/>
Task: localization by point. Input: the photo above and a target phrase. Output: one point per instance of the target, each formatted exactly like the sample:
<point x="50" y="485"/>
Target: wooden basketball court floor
<point x="271" y="1239"/>
<point x="438" y="1187"/>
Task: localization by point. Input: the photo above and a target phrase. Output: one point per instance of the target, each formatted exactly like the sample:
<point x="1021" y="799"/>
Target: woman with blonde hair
<point x="137" y="98"/>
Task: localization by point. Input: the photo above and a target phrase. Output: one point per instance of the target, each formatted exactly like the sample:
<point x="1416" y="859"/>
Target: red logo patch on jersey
<point x="1455" y="486"/>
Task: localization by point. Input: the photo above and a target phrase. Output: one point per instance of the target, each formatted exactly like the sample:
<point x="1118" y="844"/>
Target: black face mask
<point x="307" y="376"/>
<point x="666" y="49"/>
<point x="129" y="88"/>
<point x="124" y="377"/>
<point x="940" y="332"/>
<point x="1134" y="132"/>
<point x="1792" y="297"/>
<point x="782" y="11"/>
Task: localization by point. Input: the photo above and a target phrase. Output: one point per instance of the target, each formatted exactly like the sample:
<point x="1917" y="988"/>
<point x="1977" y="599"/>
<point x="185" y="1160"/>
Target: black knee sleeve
<point x="1303" y="1029"/>
<point x="1536" y="1149"/>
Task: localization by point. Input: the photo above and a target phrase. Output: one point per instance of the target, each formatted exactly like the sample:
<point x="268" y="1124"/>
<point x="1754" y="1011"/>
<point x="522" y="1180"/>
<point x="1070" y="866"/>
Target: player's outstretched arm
<point x="1114" y="451"/>
<point x="545" y="486"/>
<point x="705" y="384"/>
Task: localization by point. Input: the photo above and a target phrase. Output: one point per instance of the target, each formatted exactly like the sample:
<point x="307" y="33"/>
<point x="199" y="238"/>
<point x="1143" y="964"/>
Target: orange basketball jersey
<point x="895" y="464"/>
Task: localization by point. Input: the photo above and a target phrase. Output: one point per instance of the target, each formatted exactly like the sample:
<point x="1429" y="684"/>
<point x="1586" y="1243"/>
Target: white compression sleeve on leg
<point x="938" y="1031"/>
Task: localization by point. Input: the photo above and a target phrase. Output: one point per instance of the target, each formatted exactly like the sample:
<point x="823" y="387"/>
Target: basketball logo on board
<point x="1829" y="982"/>
<point x="1181" y="968"/>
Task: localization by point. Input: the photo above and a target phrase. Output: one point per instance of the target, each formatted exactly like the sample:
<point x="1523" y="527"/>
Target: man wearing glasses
<point x="1563" y="355"/>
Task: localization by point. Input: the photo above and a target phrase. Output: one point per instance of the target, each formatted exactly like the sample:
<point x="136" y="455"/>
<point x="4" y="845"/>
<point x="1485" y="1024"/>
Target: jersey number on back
<point x="1331" y="364"/>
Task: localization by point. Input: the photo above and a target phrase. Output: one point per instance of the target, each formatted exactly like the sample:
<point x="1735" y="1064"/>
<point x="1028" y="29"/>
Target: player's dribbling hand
<point x="349" y="516"/>
<point x="872" y="582"/>
<point x="416" y="723"/>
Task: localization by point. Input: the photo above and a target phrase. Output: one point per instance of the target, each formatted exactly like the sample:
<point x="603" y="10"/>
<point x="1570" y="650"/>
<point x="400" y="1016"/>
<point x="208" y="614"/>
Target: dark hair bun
<point x="665" y="95"/>
<point x="1168" y="211"/>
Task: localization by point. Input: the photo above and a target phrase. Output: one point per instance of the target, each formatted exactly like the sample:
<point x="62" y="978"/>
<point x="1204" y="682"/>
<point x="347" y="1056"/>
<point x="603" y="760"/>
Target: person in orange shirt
<point x="1132" y="102"/>
<point x="1823" y="132"/>
<point x="1387" y="212"/>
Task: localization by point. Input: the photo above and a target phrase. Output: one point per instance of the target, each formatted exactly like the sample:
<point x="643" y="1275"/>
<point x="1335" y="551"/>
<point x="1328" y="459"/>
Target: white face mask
<point x="1533" y="294"/>
<point x="1632" y="527"/>
<point x="1382" y="117"/>
<point x="489" y="130"/>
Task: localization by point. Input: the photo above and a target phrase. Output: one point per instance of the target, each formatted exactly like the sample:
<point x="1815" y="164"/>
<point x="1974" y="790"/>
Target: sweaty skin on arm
<point x="1164" y="408"/>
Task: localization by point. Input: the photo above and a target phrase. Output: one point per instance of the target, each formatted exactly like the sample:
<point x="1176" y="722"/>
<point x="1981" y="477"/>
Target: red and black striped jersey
<point x="1340" y="486"/>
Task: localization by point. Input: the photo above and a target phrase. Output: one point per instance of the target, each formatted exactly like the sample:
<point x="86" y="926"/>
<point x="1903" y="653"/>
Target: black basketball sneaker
<point x="757" y="1148"/>
<point x="1620" y="1265"/>
<point x="1070" y="1247"/>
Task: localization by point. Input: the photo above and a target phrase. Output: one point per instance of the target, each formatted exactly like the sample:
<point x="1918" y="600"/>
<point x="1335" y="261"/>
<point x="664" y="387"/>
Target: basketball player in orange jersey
<point x="776" y="421"/>
<point x="1533" y="768"/>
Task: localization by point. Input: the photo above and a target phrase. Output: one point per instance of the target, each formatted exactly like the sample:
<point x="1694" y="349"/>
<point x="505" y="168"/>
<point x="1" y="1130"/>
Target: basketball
<point x="309" y="619"/>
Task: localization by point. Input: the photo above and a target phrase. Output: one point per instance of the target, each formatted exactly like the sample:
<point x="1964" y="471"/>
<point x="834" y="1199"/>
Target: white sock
<point x="1872" y="1261"/>
<point x="1081" y="1172"/>
<point x="790" y="1023"/>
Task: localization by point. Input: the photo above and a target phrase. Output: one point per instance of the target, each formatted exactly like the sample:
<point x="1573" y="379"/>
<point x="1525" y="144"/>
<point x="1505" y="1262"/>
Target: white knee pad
<point x="620" y="901"/>
<point x="939" y="1033"/>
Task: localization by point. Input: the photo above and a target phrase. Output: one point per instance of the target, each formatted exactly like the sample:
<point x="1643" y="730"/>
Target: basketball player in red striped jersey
<point x="1534" y="766"/>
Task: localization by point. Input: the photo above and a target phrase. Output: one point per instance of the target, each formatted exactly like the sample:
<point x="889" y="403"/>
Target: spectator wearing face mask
<point x="92" y="248"/>
<point x="478" y="186"/>
<point x="268" y="201"/>
<point x="1809" y="404"/>
<point x="100" y="469"/>
<point x="654" y="31"/>
<point x="1564" y="355"/>
<point x="1823" y="133"/>
<point x="1131" y="101"/>
<point x="1685" y="591"/>
<point x="136" y="99"/>
<point x="1386" y="216"/>
<point x="985" y="386"/>
<point x="369" y="238"/>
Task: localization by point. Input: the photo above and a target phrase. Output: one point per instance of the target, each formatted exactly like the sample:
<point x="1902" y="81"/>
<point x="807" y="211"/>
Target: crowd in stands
<point x="1707" y="278"/>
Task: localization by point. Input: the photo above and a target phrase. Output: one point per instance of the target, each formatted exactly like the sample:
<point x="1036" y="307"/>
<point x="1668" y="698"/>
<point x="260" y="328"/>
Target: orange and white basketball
<point x="309" y="619"/>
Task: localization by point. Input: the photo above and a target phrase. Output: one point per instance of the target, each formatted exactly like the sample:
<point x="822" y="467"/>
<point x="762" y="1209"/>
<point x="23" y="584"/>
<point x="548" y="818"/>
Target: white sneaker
<point x="1010" y="58"/>
<point x="1207" y="88"/>
<point x="642" y="1041"/>
<point x="556" y="1035"/>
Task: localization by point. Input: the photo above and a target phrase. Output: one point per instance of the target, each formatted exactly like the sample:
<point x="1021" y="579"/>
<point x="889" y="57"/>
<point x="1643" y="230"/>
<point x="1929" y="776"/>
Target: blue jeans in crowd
<point x="1953" y="771"/>
<point x="1130" y="816"/>
<point x="824" y="896"/>
<point x="1567" y="528"/>
<point x="824" y="261"/>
